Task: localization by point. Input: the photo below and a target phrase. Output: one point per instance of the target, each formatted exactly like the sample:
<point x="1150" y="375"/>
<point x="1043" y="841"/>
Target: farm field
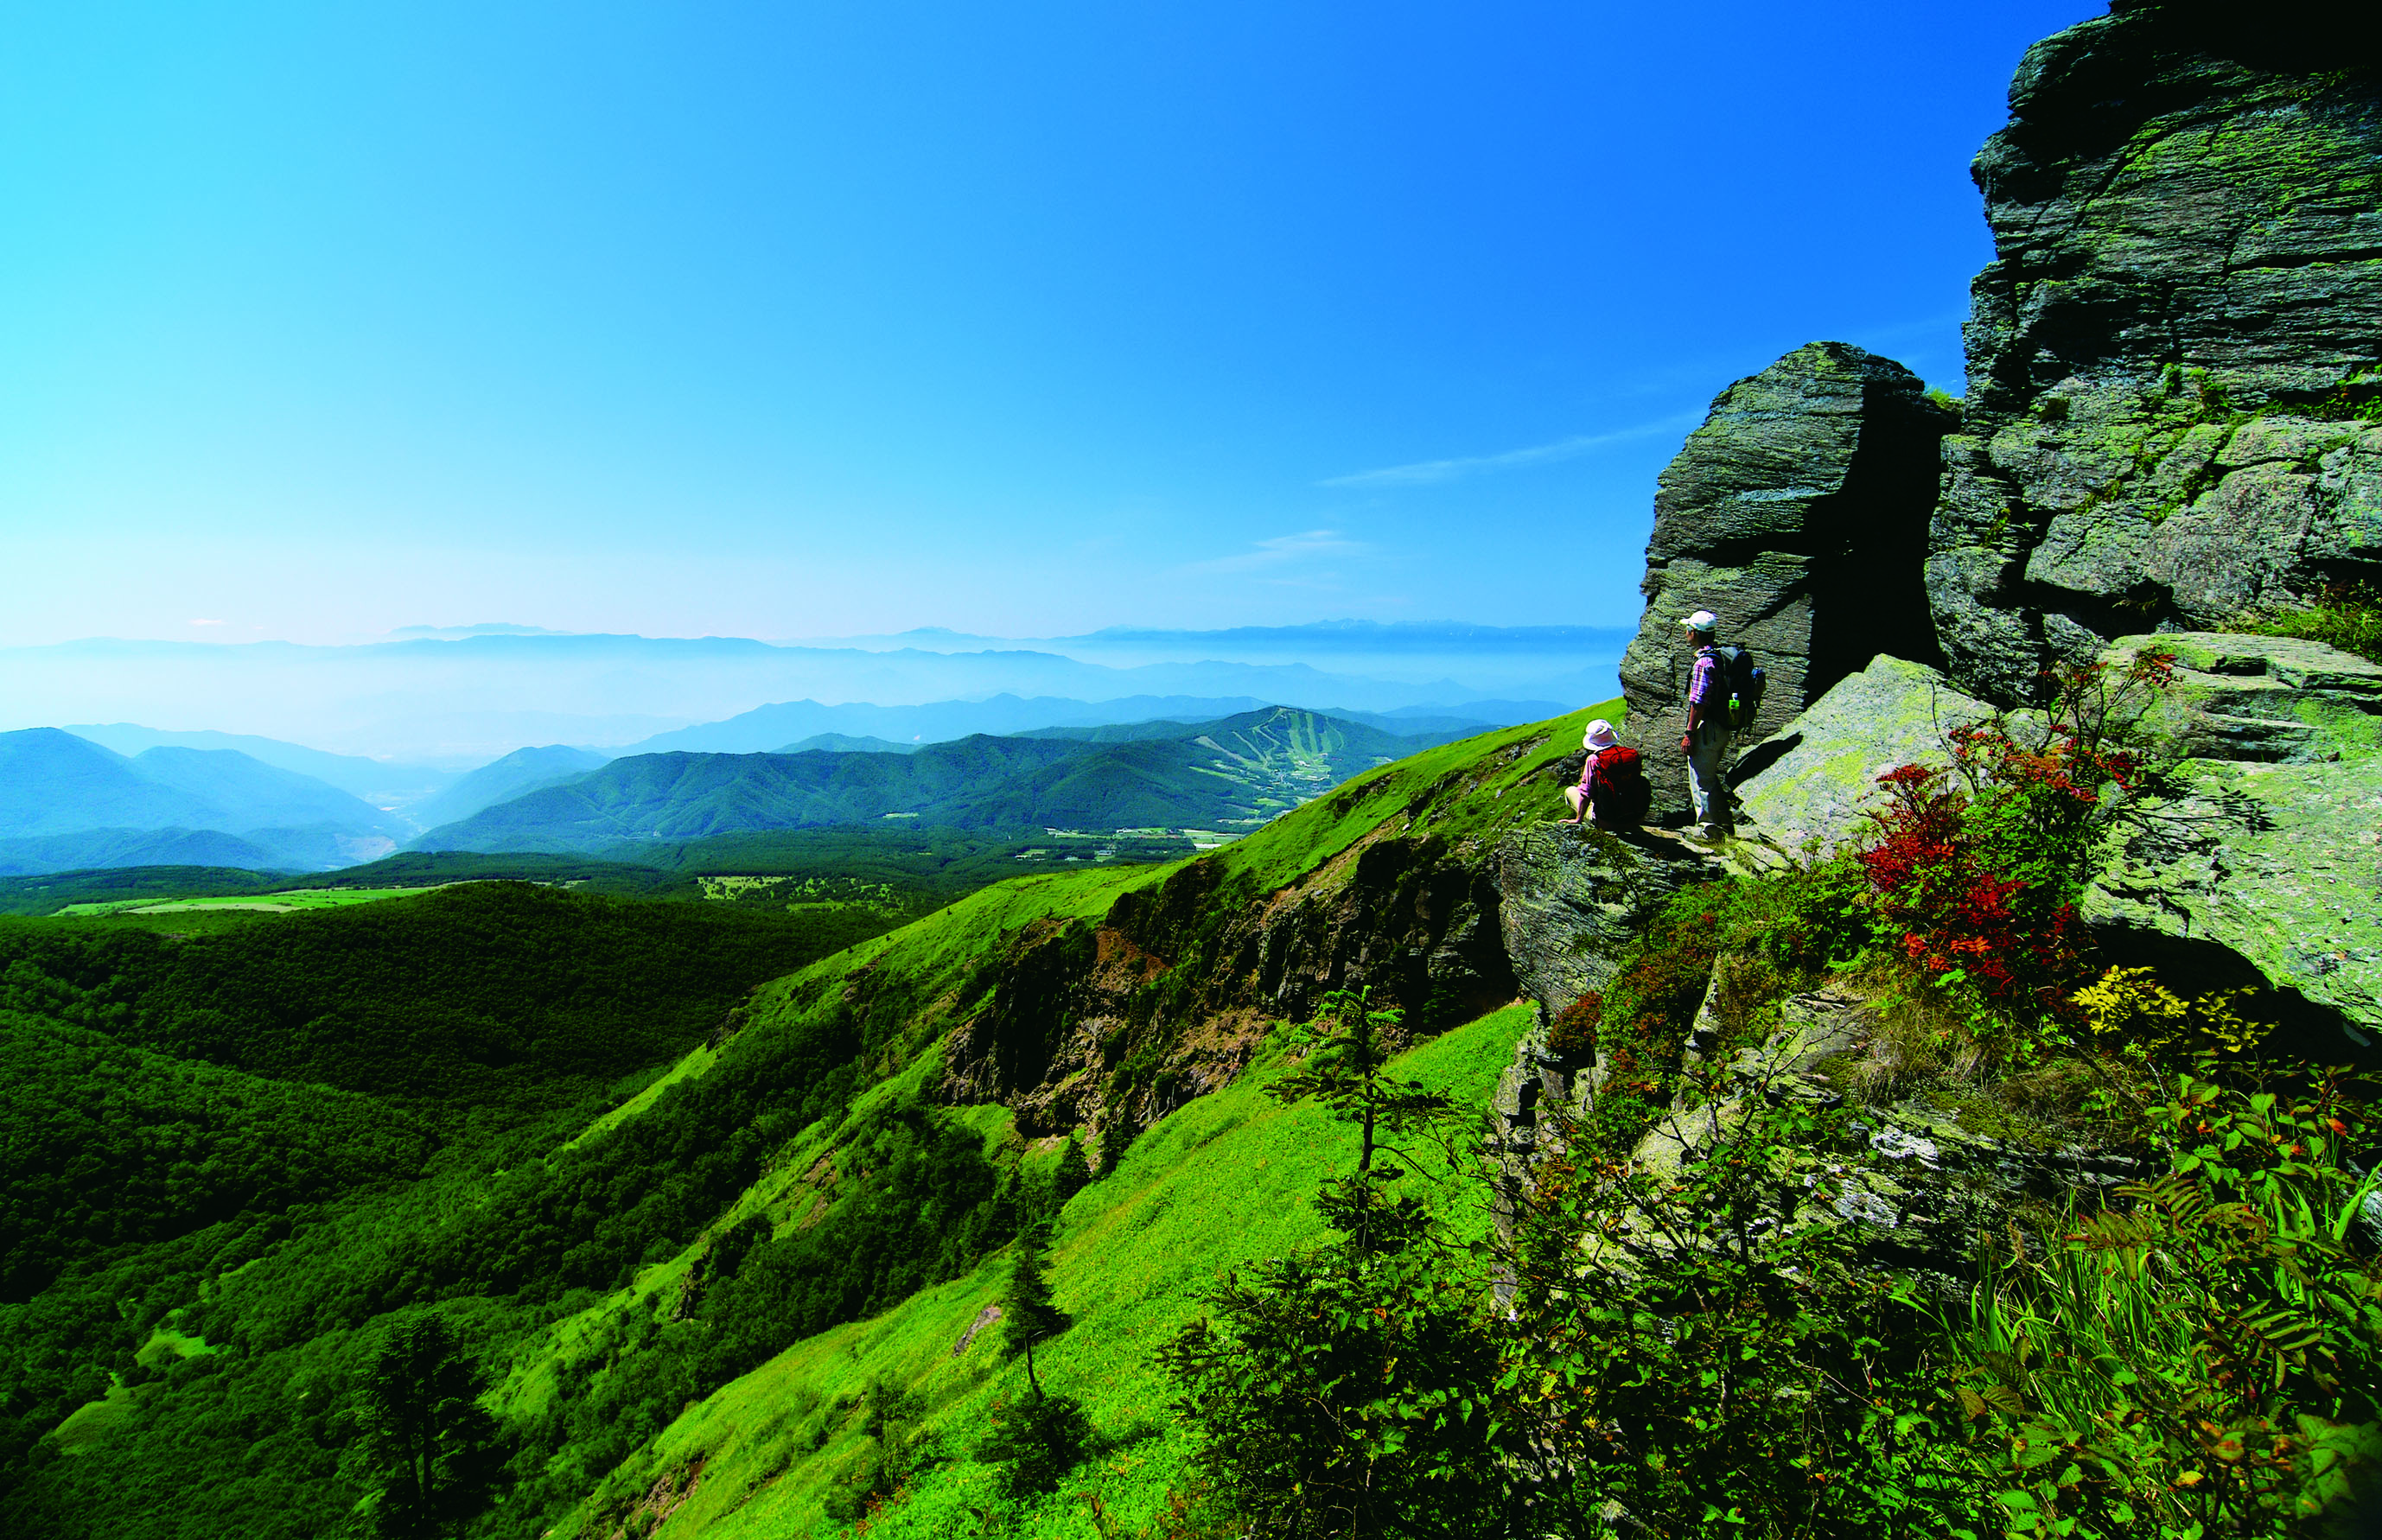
<point x="288" y="903"/>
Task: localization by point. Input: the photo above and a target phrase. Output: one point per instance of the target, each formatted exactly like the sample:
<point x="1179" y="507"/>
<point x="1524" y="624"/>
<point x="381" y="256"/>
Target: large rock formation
<point x="1798" y="514"/>
<point x="2172" y="357"/>
<point x="2255" y="858"/>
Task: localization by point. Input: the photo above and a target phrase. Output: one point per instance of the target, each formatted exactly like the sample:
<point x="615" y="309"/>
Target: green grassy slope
<point x="903" y="991"/>
<point x="1224" y="1182"/>
<point x="920" y="979"/>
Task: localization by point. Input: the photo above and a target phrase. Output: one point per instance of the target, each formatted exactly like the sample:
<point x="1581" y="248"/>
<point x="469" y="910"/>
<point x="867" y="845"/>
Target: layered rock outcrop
<point x="2259" y="860"/>
<point x="1798" y="514"/>
<point x="2252" y="858"/>
<point x="1814" y="781"/>
<point x="2173" y="357"/>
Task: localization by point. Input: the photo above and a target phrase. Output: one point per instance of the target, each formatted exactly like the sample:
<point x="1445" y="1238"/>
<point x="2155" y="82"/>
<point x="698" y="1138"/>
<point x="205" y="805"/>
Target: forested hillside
<point x="176" y="1107"/>
<point x="1228" y="775"/>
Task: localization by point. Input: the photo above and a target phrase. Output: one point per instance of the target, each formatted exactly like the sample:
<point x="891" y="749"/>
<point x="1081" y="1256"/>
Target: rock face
<point x="1168" y="995"/>
<point x="1814" y="780"/>
<point x="2261" y="859"/>
<point x="1569" y="898"/>
<point x="1798" y="514"/>
<point x="2255" y="859"/>
<point x="2172" y="357"/>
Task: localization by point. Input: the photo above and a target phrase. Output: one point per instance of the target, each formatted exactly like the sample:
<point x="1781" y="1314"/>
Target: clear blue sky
<point x="802" y="319"/>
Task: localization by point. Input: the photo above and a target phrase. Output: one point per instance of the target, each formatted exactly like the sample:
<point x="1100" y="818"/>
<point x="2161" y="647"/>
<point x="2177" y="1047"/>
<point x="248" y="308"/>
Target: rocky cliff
<point x="2172" y="357"/>
<point x="1798" y="514"/>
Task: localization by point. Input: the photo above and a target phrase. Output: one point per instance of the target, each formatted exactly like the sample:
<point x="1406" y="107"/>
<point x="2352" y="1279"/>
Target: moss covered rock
<point x="1798" y="514"/>
<point x="1808" y="786"/>
<point x="2258" y="859"/>
<point x="2173" y="358"/>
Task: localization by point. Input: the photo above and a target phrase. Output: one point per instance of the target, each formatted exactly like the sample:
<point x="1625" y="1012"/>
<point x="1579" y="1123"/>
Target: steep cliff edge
<point x="2173" y="356"/>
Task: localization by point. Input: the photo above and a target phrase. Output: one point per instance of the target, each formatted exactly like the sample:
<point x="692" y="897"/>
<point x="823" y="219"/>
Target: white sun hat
<point x="1600" y="734"/>
<point x="1703" y="620"/>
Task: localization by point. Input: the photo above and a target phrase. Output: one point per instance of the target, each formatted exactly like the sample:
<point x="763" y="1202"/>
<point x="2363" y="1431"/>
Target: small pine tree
<point x="1071" y="1176"/>
<point x="1041" y="1437"/>
<point x="1347" y="1390"/>
<point x="1028" y="1315"/>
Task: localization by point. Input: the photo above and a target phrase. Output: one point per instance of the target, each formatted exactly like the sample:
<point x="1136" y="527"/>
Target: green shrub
<point x="2202" y="1363"/>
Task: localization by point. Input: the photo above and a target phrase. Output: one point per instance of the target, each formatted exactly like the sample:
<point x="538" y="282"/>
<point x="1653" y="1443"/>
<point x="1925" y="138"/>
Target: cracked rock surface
<point x="2173" y="356"/>
<point x="1796" y="513"/>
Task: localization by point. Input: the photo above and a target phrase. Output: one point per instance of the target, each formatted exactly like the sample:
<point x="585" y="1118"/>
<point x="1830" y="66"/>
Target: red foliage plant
<point x="1932" y="884"/>
<point x="1978" y="878"/>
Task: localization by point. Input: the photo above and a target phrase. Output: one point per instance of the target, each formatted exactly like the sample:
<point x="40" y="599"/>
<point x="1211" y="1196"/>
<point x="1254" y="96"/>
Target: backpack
<point x="1622" y="794"/>
<point x="1744" y="680"/>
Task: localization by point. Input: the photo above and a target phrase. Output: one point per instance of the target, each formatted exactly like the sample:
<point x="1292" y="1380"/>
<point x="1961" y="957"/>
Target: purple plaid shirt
<point x="1705" y="684"/>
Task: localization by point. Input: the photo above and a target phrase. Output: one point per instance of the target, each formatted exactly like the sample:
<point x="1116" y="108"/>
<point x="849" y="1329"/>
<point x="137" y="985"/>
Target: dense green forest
<point x="333" y="1109"/>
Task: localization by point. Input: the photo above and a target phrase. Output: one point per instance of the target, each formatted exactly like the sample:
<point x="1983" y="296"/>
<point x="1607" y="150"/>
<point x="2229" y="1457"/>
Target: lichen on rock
<point x="1812" y="782"/>
<point x="1798" y="514"/>
<point x="2173" y="357"/>
<point x="2258" y="858"/>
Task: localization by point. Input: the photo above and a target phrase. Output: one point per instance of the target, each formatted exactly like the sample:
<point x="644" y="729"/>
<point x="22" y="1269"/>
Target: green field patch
<point x="288" y="903"/>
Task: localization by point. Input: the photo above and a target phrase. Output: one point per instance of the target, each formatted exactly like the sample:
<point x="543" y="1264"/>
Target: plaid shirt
<point x="1703" y="686"/>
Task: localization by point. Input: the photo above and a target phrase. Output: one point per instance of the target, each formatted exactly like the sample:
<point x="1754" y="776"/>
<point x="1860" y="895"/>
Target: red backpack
<point x="1622" y="794"/>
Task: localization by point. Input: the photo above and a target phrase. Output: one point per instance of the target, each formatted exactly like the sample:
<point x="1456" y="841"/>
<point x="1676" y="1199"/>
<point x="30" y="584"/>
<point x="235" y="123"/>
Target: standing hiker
<point x="1706" y="739"/>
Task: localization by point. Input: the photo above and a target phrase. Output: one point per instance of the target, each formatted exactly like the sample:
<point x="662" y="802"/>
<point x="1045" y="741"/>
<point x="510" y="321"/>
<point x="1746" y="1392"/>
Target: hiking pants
<point x="1705" y="752"/>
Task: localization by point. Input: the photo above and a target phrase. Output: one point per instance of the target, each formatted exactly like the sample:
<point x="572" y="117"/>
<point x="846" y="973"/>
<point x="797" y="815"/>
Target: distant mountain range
<point x="376" y="781"/>
<point x="1230" y="775"/>
<point x="124" y="795"/>
<point x="459" y="701"/>
<point x="516" y="774"/>
<point x="65" y="801"/>
<point x="787" y="728"/>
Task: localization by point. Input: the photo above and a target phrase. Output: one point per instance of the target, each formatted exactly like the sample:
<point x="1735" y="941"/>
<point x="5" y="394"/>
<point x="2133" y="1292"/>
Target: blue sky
<point x="810" y="319"/>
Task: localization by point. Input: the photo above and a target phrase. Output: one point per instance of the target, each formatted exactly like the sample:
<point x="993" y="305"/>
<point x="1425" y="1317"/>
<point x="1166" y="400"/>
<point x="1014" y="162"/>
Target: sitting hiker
<point x="1706" y="739"/>
<point x="1612" y="792"/>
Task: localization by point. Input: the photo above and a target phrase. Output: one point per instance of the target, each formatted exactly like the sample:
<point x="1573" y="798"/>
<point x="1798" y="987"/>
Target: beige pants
<point x="1707" y="749"/>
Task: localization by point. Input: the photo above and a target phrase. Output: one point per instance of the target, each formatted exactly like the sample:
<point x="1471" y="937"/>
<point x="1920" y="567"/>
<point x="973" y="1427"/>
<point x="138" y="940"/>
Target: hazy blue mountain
<point x="1227" y="774"/>
<point x="464" y="701"/>
<point x="516" y="774"/>
<point x="52" y="782"/>
<point x="1230" y="775"/>
<point x="844" y="743"/>
<point x="67" y="802"/>
<point x="762" y="728"/>
<point x="373" y="781"/>
<point x="91" y="848"/>
<point x="249" y="794"/>
<point x="675" y="797"/>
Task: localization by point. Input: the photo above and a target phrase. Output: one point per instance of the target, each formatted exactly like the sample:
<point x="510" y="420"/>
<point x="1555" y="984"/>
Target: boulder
<point x="1798" y="514"/>
<point x="1570" y="897"/>
<point x="2172" y="357"/>
<point x="1808" y="787"/>
<point x="2258" y="860"/>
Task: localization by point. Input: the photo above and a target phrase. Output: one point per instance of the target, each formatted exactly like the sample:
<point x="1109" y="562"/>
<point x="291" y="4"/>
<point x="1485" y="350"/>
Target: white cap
<point x="1600" y="734"/>
<point x="1703" y="620"/>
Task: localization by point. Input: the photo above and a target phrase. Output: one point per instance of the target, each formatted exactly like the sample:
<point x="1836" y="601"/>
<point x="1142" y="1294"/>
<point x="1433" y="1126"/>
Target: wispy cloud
<point x="1430" y="472"/>
<point x="1281" y="551"/>
<point x="206" y="622"/>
